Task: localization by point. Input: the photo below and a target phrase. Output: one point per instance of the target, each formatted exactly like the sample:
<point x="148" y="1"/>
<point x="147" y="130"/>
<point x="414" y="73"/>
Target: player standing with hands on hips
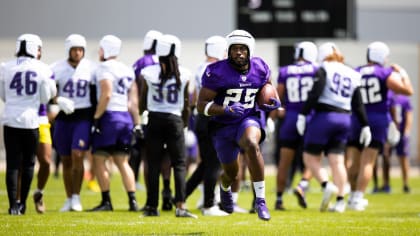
<point x="228" y="94"/>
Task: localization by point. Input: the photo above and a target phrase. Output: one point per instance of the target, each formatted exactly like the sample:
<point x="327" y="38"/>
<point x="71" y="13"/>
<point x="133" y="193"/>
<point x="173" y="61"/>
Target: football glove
<point x="301" y="124"/>
<point x="138" y="132"/>
<point x="235" y="110"/>
<point x="95" y="127"/>
<point x="270" y="107"/>
<point x="393" y="135"/>
<point x="365" y="136"/>
<point x="66" y="105"/>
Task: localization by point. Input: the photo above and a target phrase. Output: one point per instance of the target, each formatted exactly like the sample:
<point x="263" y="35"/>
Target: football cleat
<point x="279" y="206"/>
<point x="38" y="202"/>
<point x="300" y="195"/>
<point x="329" y="192"/>
<point x="340" y="207"/>
<point x="184" y="213"/>
<point x="261" y="208"/>
<point x="104" y="206"/>
<point x="226" y="200"/>
<point x="213" y="211"/>
<point x="67" y="205"/>
<point x="76" y="205"/>
<point x="150" y="211"/>
<point x="238" y="209"/>
<point x="133" y="205"/>
<point x="15" y="210"/>
<point x="167" y="200"/>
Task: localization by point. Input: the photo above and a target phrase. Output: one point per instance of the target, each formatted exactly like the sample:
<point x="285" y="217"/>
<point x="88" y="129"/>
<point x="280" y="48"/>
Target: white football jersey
<point x="73" y="83"/>
<point x="20" y="82"/>
<point x="166" y="98"/>
<point x="121" y="77"/>
<point x="199" y="73"/>
<point x="341" y="81"/>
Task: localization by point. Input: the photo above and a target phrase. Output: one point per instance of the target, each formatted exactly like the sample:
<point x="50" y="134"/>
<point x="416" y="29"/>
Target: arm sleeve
<point x="358" y="108"/>
<point x="315" y="93"/>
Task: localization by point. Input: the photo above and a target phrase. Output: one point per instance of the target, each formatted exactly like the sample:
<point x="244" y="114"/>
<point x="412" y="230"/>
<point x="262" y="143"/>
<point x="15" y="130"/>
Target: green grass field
<point x="387" y="214"/>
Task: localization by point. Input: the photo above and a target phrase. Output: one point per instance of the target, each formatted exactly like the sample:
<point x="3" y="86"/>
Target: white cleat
<point x="75" y="203"/>
<point x="358" y="204"/>
<point x="239" y="209"/>
<point x="340" y="206"/>
<point x="329" y="192"/>
<point x="67" y="205"/>
<point x="213" y="211"/>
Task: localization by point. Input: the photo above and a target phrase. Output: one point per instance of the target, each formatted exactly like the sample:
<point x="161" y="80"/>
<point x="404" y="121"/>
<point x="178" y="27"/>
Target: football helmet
<point x="241" y="37"/>
<point x="377" y="52"/>
<point x="74" y="40"/>
<point x="326" y="50"/>
<point x="111" y="46"/>
<point x="216" y="47"/>
<point x="33" y="43"/>
<point x="150" y="39"/>
<point x="165" y="45"/>
<point x="306" y="50"/>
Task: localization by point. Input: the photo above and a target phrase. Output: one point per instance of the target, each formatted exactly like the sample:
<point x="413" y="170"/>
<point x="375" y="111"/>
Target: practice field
<point x="387" y="214"/>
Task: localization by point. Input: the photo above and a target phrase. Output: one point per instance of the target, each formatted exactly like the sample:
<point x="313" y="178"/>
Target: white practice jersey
<point x="166" y="98"/>
<point x="73" y="83"/>
<point x="341" y="81"/>
<point x="20" y="82"/>
<point x="121" y="77"/>
<point x="199" y="73"/>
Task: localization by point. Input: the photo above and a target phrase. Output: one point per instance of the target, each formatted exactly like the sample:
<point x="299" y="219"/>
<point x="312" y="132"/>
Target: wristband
<point x="207" y="108"/>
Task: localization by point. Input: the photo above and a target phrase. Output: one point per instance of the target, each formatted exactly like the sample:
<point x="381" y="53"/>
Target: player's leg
<point x="166" y="178"/>
<point x="285" y="160"/>
<point x="77" y="171"/>
<point x="127" y="175"/>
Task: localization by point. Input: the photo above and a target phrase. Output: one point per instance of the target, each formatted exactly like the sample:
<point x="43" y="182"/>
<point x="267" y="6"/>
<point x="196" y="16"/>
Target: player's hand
<point x="138" y="132"/>
<point x="275" y="103"/>
<point x="235" y="110"/>
<point x="301" y="124"/>
<point x="270" y="128"/>
<point x="95" y="127"/>
<point x="66" y="105"/>
<point x="365" y="136"/>
<point x="393" y="135"/>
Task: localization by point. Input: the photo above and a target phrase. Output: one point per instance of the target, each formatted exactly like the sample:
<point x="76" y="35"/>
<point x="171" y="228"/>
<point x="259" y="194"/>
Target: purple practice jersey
<point x="146" y="60"/>
<point x="232" y="86"/>
<point x="402" y="105"/>
<point x="297" y="80"/>
<point x="373" y="87"/>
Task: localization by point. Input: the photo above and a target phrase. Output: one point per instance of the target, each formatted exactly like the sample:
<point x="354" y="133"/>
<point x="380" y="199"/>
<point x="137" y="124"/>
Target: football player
<point x="334" y="95"/>
<point x="294" y="83"/>
<point x="376" y="80"/>
<point x="114" y="121"/>
<point x="74" y="76"/>
<point x="165" y="95"/>
<point x="228" y="93"/>
<point x="25" y="84"/>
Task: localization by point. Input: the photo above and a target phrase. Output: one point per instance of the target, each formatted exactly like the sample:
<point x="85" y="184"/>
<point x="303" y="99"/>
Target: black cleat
<point x="279" y="206"/>
<point x="15" y="210"/>
<point x="167" y="200"/>
<point x="104" y="206"/>
<point x="300" y="195"/>
<point x="133" y="205"/>
<point x="150" y="211"/>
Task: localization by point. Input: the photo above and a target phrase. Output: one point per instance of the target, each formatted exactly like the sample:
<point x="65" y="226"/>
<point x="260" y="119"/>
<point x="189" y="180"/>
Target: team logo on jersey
<point x="81" y="143"/>
<point x="243" y="78"/>
<point x="208" y="73"/>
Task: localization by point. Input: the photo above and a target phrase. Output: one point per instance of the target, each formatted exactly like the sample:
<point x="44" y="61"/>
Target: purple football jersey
<point x="373" y="87"/>
<point x="146" y="60"/>
<point x="232" y="86"/>
<point x="297" y="80"/>
<point x="402" y="105"/>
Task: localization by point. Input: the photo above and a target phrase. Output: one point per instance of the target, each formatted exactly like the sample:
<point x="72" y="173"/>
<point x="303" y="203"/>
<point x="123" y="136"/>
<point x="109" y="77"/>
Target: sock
<point x="106" y="196"/>
<point x="259" y="188"/>
<point x="131" y="196"/>
<point x="340" y="198"/>
<point x="324" y="184"/>
<point x="358" y="195"/>
<point x="280" y="196"/>
<point x="166" y="184"/>
<point x="235" y="196"/>
<point x="227" y="189"/>
<point x="303" y="183"/>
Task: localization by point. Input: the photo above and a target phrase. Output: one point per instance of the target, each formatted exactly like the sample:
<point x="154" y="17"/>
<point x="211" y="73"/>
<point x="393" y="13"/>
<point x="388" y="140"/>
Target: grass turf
<point x="387" y="214"/>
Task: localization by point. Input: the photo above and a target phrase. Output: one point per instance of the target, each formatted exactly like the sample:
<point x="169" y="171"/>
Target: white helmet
<point x="377" y="52"/>
<point x="150" y="38"/>
<point x="216" y="47"/>
<point x="111" y="46"/>
<point x="241" y="37"/>
<point x="326" y="50"/>
<point x="165" y="44"/>
<point x="33" y="43"/>
<point x="307" y="50"/>
<point x="74" y="40"/>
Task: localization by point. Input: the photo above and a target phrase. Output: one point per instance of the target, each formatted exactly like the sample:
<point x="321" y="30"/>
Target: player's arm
<point x="133" y="103"/>
<point x="358" y="107"/>
<point x="319" y="84"/>
<point x="143" y="95"/>
<point x="186" y="109"/>
<point x="399" y="82"/>
<point x="206" y="105"/>
<point x="104" y="97"/>
<point x="408" y="122"/>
